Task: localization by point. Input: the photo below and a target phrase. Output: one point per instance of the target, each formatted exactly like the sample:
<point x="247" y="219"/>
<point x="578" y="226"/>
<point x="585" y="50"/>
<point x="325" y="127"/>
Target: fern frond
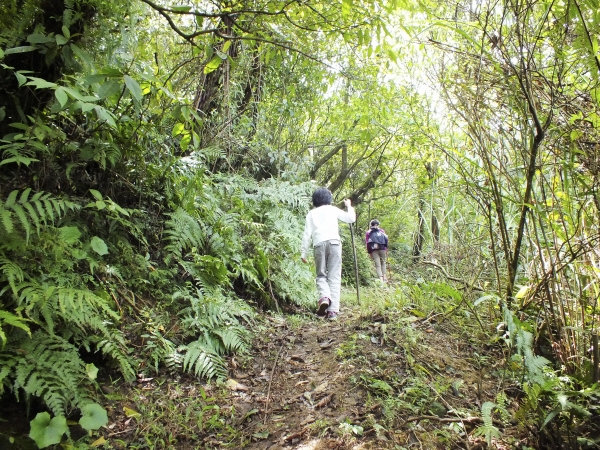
<point x="182" y="233"/>
<point x="174" y="360"/>
<point x="32" y="212"/>
<point x="13" y="274"/>
<point x="6" y="219"/>
<point x="118" y="353"/>
<point x="8" y="362"/>
<point x="488" y="430"/>
<point x="20" y="212"/>
<point x="48" y="367"/>
<point x="232" y="338"/>
<point x="9" y="319"/>
<point x="10" y="200"/>
<point x="202" y="358"/>
<point x="523" y="339"/>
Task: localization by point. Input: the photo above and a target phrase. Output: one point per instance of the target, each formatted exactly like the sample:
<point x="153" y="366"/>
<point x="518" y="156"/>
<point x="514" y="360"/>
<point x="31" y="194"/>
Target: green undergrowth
<point x="184" y="414"/>
<point x="90" y="289"/>
<point x="398" y="347"/>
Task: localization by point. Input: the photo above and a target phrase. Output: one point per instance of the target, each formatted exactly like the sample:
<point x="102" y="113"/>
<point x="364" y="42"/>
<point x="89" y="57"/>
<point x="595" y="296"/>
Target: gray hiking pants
<point x="328" y="262"/>
<point x="379" y="256"/>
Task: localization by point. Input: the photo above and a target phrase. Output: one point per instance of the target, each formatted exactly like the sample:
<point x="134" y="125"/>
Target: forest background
<point x="157" y="162"/>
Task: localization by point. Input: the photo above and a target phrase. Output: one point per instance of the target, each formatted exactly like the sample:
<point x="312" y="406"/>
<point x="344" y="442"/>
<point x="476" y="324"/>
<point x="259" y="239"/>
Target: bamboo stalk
<point x="355" y="263"/>
<point x="596" y="358"/>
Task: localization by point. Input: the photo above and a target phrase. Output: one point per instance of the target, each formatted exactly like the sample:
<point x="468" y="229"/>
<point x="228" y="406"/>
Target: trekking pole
<point x="355" y="263"/>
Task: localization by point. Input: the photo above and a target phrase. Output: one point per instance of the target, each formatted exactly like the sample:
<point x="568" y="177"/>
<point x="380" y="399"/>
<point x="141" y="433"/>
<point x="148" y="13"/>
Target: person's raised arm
<point x="347" y="216"/>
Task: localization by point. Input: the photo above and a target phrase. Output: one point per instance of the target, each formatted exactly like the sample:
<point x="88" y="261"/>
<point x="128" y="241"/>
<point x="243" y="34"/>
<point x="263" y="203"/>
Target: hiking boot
<point x="332" y="315"/>
<point x="324" y="303"/>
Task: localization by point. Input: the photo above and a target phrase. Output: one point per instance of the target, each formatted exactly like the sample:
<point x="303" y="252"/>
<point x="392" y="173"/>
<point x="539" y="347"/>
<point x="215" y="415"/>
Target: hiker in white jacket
<point x="322" y="231"/>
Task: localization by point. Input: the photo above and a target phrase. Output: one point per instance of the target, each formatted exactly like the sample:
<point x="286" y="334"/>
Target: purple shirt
<point x="367" y="238"/>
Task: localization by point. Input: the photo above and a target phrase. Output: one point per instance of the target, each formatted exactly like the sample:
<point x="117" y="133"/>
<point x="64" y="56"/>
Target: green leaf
<point x="66" y="32"/>
<point x="99" y="246"/>
<point x="75" y="95"/>
<point x="97" y="195"/>
<point x="1" y="53"/>
<point x="131" y="412"/>
<point x="22" y="49"/>
<point x="61" y="40"/>
<point x="178" y="129"/>
<point x="38" y="38"/>
<point x="5" y="219"/>
<point x="69" y="235"/>
<point x="92" y="371"/>
<point x="185" y="142"/>
<point x="61" y="96"/>
<point x="81" y="54"/>
<point x="40" y="83"/>
<point x="346" y="8"/>
<point x="46" y="431"/>
<point x="134" y="88"/>
<point x="213" y="64"/>
<point x="85" y="107"/>
<point x="19" y="160"/>
<point x="10" y="200"/>
<point x="7" y="318"/>
<point x="21" y="79"/>
<point x="105" y="115"/>
<point x="94" y="416"/>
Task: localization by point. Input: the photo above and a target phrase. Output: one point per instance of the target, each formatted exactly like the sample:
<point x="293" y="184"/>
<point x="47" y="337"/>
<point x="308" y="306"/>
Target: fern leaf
<point x="49" y="367"/>
<point x="488" y="430"/>
<point x="205" y="362"/>
<point x="7" y="318"/>
<point x="57" y="207"/>
<point x="232" y="339"/>
<point x="13" y="274"/>
<point x="33" y="215"/>
<point x="25" y="195"/>
<point x="10" y="200"/>
<point x="40" y="209"/>
<point x="49" y="209"/>
<point x="5" y="219"/>
<point x="112" y="349"/>
<point x="20" y="212"/>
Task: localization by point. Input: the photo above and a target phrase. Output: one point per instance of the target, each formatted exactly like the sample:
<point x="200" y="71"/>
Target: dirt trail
<point x="304" y="384"/>
<point x="315" y="386"/>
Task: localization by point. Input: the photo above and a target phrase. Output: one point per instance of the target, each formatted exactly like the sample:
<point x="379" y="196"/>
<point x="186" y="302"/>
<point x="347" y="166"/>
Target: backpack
<point x="378" y="240"/>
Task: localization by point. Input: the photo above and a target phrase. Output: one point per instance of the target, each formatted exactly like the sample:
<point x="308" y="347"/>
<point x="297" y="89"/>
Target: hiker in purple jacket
<point x="377" y="244"/>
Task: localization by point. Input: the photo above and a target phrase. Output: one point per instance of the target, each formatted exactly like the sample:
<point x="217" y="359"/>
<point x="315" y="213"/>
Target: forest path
<point x="365" y="381"/>
<point x="297" y="383"/>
